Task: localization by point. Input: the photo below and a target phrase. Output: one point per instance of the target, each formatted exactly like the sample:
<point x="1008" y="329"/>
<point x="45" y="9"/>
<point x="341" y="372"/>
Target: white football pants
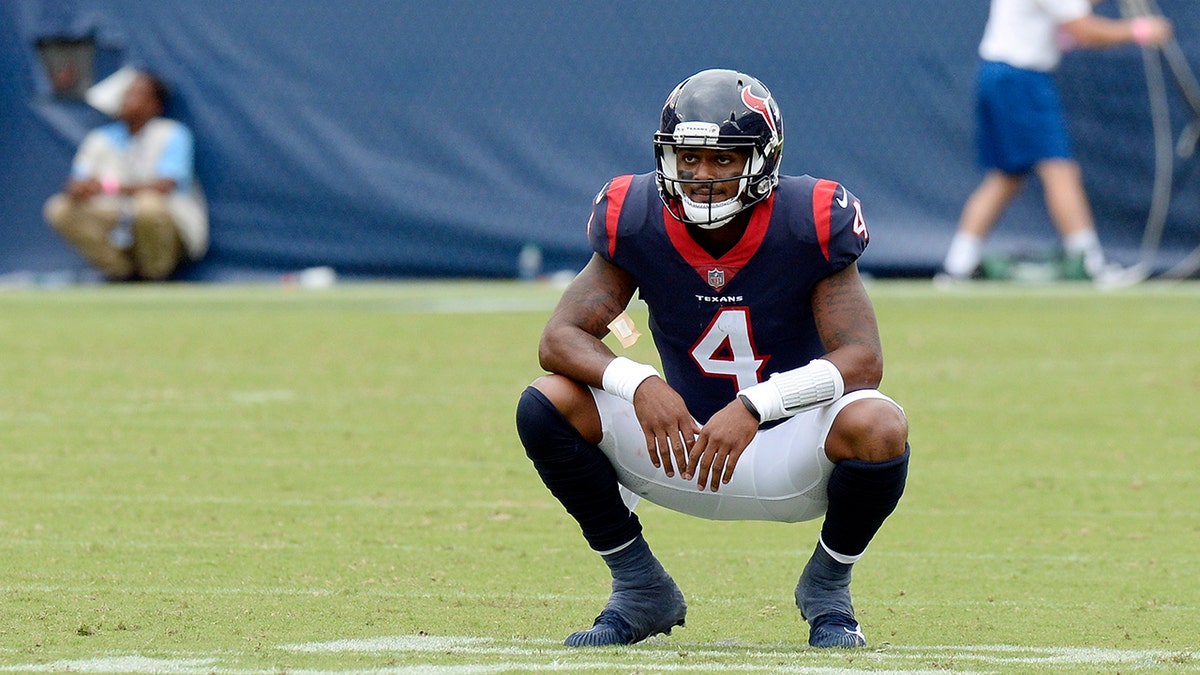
<point x="781" y="476"/>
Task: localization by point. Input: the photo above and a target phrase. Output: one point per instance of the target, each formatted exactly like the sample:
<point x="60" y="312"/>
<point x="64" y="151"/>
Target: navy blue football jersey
<point x="724" y="324"/>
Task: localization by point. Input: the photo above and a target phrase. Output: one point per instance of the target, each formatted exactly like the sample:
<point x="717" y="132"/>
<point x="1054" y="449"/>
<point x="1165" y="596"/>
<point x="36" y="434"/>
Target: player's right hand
<point x="669" y="428"/>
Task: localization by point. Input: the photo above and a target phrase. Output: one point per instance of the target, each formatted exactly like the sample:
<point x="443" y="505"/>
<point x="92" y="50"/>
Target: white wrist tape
<point x="622" y="376"/>
<point x="797" y="390"/>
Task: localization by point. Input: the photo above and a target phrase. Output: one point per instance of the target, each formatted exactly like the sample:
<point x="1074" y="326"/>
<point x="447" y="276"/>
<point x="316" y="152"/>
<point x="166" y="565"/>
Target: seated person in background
<point x="132" y="206"/>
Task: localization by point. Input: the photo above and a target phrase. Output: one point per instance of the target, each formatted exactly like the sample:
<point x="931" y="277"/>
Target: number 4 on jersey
<point x="727" y="350"/>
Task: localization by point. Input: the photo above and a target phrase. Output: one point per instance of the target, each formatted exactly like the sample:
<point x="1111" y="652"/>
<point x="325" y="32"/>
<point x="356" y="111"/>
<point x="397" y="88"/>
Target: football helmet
<point x="719" y="109"/>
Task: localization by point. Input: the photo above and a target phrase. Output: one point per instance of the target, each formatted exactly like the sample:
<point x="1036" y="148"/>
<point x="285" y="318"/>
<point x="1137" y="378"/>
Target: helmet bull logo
<point x="760" y="105"/>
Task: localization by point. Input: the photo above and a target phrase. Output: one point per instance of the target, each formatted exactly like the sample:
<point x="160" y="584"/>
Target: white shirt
<point x="1024" y="33"/>
<point x="163" y="148"/>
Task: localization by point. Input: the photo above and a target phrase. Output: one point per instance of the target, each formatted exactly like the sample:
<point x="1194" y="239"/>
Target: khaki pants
<point x="156" y="250"/>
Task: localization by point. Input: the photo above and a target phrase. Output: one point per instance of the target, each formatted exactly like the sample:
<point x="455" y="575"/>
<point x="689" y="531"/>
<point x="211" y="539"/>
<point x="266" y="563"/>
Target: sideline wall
<point x="404" y="139"/>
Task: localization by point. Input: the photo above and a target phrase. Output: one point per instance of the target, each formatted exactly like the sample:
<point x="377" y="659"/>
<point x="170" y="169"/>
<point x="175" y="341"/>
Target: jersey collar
<point x="717" y="272"/>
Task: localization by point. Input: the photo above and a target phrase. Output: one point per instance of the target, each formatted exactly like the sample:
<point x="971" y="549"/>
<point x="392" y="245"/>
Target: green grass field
<point x="216" y="479"/>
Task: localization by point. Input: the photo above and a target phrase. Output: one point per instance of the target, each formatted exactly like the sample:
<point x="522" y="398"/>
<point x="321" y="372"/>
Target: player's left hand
<point x="719" y="445"/>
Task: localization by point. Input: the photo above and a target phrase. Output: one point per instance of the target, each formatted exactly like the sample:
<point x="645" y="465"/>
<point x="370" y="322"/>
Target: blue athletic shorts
<point x="1019" y="118"/>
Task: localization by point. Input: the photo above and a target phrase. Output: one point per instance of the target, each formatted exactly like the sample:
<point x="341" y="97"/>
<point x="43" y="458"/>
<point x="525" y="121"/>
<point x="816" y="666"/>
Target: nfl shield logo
<point x="716" y="279"/>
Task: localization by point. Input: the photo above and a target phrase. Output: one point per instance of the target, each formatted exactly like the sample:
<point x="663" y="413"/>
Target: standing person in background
<point x="1021" y="127"/>
<point x="132" y="206"/>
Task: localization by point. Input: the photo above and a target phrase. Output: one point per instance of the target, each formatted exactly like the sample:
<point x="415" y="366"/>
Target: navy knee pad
<point x="577" y="473"/>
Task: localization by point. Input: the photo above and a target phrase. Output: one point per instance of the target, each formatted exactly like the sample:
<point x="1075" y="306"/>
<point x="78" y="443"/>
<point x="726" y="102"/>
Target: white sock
<point x="964" y="255"/>
<point x="1087" y="243"/>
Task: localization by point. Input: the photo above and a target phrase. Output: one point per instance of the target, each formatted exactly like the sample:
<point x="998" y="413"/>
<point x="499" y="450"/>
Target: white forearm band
<point x="622" y="376"/>
<point x="797" y="390"/>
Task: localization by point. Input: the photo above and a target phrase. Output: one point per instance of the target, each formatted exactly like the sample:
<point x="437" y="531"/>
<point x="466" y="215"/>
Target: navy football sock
<point x="576" y="472"/>
<point x="861" y="496"/>
<point x="645" y="600"/>
<point x="824" y="587"/>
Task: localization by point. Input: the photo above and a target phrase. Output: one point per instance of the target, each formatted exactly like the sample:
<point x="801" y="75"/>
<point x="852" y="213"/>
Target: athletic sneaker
<point x="944" y="281"/>
<point x="633" y="616"/>
<point x="1113" y="276"/>
<point x="836" y="630"/>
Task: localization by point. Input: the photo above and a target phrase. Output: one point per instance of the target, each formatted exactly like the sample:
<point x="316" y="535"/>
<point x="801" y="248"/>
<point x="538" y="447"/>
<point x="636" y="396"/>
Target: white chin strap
<point x="708" y="216"/>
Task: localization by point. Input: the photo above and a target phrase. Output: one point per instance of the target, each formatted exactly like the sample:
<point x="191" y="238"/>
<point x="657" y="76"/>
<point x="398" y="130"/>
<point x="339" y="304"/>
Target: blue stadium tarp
<point x="396" y="139"/>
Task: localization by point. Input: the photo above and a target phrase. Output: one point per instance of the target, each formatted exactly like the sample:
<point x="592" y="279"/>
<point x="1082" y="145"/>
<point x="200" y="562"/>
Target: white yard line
<point x="499" y="656"/>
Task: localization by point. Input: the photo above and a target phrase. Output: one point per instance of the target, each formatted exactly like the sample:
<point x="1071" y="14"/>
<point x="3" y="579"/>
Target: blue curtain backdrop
<point x="414" y="139"/>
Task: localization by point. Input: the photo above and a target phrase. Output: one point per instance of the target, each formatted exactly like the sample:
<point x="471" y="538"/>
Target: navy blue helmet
<point x="719" y="109"/>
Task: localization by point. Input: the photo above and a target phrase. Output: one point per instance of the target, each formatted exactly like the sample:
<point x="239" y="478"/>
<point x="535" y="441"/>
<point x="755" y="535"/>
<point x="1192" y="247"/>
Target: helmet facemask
<point x="708" y="215"/>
